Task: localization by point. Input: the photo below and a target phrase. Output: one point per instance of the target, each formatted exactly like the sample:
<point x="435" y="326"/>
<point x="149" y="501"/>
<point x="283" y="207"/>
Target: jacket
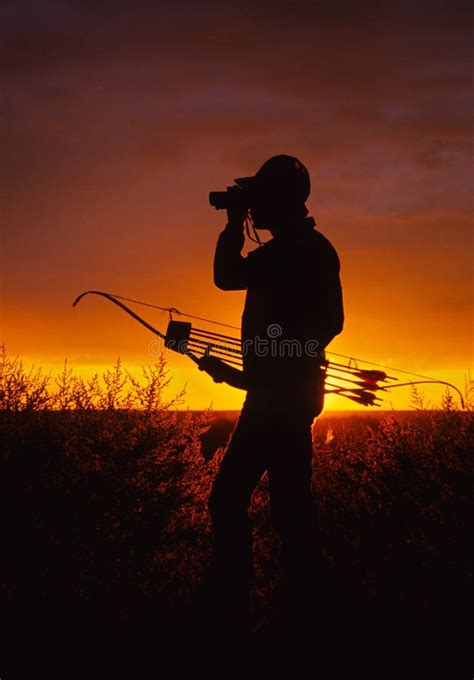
<point x="293" y="306"/>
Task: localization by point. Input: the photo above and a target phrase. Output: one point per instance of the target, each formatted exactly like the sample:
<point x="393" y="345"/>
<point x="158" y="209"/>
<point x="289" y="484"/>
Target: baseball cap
<point x="281" y="175"/>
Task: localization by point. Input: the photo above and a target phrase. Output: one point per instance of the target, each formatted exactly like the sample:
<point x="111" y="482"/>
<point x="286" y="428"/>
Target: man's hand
<point x="222" y="372"/>
<point x="236" y="214"/>
<point x="213" y="367"/>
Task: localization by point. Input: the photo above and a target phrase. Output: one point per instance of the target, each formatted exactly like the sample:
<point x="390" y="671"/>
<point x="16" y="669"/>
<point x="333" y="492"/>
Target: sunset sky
<point x="118" y="118"/>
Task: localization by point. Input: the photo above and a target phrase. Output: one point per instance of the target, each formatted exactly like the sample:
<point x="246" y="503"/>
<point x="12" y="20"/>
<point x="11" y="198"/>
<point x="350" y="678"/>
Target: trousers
<point x="279" y="442"/>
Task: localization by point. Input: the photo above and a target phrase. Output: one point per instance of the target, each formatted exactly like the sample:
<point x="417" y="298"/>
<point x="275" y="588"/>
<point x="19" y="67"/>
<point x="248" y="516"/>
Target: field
<point x="106" y="536"/>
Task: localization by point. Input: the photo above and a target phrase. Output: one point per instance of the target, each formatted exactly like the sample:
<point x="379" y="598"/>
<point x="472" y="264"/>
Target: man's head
<point x="279" y="191"/>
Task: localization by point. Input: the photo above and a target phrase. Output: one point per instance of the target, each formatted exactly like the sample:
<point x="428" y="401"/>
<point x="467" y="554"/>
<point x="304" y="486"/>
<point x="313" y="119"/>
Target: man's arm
<point x="318" y="308"/>
<point x="334" y="304"/>
<point x="332" y="307"/>
<point x="230" y="267"/>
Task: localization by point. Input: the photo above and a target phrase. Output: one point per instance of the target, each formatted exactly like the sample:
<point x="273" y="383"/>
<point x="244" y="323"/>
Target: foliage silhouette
<point x="105" y="521"/>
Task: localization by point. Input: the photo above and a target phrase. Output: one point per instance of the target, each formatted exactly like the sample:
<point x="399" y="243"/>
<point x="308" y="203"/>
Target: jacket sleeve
<point x="230" y="267"/>
<point x="317" y="310"/>
<point x="332" y="307"/>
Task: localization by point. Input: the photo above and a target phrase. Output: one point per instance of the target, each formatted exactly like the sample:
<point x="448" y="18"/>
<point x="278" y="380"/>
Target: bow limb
<point x="126" y="309"/>
<point x="386" y="388"/>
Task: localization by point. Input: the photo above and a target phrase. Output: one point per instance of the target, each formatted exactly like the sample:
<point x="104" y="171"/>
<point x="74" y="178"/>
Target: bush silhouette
<point x="105" y="487"/>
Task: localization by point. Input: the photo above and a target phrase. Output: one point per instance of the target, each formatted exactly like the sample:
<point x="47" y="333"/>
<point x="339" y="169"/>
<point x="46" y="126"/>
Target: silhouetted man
<point x="293" y="309"/>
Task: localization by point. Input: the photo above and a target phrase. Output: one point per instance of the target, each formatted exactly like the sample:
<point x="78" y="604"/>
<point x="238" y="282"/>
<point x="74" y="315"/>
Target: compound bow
<point x="207" y="348"/>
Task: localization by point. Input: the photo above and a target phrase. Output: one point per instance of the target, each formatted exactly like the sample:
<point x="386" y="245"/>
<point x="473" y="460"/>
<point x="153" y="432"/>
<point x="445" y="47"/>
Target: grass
<point x="106" y="532"/>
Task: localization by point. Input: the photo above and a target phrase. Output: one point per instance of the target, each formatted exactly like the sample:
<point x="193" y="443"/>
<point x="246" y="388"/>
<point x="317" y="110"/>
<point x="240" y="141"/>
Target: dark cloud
<point x="370" y="89"/>
<point x="39" y="35"/>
